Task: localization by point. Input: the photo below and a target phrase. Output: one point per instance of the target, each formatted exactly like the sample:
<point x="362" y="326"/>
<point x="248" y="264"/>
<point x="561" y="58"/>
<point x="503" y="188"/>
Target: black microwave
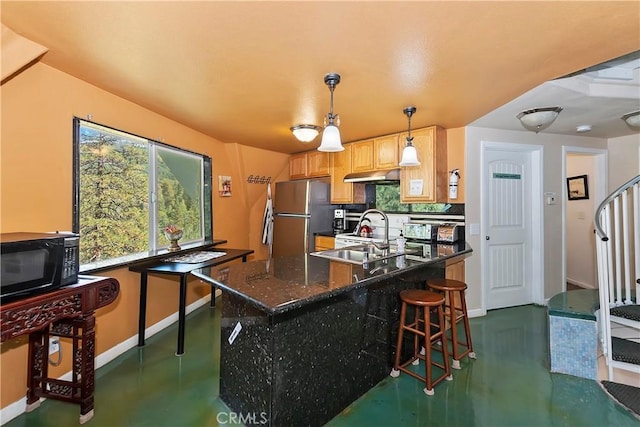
<point x="33" y="263"/>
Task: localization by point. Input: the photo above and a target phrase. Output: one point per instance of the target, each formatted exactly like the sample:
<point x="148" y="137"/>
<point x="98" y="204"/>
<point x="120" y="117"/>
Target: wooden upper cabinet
<point x="362" y="156"/>
<point x="428" y="182"/>
<point x="317" y="163"/>
<point x="375" y="154"/>
<point x="310" y="164"/>
<point x="298" y="166"/>
<point x="344" y="192"/>
<point x="385" y="151"/>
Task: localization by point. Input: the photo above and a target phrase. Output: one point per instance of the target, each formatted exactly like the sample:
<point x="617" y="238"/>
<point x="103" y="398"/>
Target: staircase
<point x="617" y="224"/>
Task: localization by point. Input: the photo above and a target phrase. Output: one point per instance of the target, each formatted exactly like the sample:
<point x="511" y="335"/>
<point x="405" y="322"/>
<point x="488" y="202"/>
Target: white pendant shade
<point x="409" y="153"/>
<point x="409" y="156"/>
<point x="331" y="139"/>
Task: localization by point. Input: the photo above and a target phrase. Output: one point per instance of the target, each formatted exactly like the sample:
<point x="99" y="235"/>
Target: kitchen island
<point x="304" y="336"/>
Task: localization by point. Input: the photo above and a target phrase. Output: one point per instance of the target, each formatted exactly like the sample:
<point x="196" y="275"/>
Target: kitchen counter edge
<point x="330" y="293"/>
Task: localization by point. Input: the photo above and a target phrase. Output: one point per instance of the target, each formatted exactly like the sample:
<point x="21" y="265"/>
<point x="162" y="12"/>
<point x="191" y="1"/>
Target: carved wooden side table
<point x="65" y="312"/>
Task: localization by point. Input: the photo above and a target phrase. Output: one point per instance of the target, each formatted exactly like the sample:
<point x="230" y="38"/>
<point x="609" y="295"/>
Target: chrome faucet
<point x="385" y="242"/>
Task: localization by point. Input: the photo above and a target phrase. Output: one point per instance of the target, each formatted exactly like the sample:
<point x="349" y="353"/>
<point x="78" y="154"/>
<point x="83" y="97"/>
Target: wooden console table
<point x="182" y="270"/>
<point x="66" y="312"/>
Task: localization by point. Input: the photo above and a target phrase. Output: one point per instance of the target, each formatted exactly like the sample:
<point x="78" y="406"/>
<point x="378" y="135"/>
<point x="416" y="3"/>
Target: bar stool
<point x="455" y="314"/>
<point x="423" y="301"/>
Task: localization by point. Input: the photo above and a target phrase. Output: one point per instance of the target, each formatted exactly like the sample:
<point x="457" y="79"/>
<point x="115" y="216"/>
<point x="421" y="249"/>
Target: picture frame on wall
<point x="577" y="187"/>
<point x="224" y="186"/>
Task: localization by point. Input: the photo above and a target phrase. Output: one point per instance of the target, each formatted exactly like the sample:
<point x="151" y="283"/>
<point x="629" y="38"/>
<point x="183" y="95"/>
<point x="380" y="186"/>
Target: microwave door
<point x="28" y="266"/>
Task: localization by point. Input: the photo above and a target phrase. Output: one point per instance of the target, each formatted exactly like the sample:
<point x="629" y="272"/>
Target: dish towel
<point x="267" y="221"/>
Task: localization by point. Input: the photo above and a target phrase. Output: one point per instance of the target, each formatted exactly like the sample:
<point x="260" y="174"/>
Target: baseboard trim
<point x="478" y="312"/>
<point x="18" y="407"/>
<point x="581" y="284"/>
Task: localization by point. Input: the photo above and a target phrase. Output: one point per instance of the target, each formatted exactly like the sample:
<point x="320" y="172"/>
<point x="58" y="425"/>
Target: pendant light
<point x="331" y="135"/>
<point x="409" y="154"/>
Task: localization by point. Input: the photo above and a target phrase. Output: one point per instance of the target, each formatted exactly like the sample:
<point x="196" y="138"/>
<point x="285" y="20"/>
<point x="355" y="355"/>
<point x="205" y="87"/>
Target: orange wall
<point x="38" y="106"/>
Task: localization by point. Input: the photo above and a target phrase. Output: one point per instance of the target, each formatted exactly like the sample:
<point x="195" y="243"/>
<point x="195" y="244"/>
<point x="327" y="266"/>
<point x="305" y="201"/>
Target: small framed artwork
<point x="224" y="186"/>
<point x="577" y="187"/>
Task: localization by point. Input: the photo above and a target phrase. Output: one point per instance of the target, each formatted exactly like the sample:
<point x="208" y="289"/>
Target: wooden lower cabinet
<point x="340" y="273"/>
<point x="324" y="243"/>
<point x="455" y="271"/>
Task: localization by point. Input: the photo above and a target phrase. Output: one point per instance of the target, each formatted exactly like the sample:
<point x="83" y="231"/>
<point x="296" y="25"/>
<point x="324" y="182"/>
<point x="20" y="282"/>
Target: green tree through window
<point x="388" y="200"/>
<point x="129" y="188"/>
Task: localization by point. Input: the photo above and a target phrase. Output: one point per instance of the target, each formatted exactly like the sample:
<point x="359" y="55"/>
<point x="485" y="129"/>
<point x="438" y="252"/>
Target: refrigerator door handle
<point x="292" y="215"/>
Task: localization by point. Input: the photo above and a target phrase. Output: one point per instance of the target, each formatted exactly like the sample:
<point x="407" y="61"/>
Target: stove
<point x="349" y="239"/>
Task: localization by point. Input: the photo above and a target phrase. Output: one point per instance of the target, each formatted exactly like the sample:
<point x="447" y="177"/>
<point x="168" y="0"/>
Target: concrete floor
<point x="508" y="385"/>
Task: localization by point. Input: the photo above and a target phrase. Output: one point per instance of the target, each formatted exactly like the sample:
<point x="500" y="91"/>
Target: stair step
<point x="625" y="351"/>
<point x="629" y="312"/>
<point x="626" y="395"/>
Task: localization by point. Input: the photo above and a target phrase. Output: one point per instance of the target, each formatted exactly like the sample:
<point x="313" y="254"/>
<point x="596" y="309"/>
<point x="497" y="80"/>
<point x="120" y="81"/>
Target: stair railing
<point x="618" y="264"/>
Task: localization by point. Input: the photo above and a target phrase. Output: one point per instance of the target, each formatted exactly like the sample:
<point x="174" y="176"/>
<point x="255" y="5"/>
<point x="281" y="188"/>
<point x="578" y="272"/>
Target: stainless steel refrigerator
<point x="301" y="208"/>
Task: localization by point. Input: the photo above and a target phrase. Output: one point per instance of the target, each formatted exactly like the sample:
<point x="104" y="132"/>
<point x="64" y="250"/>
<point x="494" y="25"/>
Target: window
<point x="388" y="200"/>
<point x="128" y="188"/>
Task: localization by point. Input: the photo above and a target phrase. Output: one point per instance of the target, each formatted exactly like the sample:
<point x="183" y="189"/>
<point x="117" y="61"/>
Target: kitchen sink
<point x="359" y="254"/>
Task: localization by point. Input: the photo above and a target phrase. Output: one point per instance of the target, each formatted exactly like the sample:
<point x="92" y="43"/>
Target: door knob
<point x="487" y="238"/>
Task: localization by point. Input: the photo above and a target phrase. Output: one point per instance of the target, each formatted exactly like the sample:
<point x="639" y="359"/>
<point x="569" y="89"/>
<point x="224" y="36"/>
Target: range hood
<point x="392" y="175"/>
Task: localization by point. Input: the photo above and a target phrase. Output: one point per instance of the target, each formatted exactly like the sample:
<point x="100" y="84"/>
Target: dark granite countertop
<point x="281" y="284"/>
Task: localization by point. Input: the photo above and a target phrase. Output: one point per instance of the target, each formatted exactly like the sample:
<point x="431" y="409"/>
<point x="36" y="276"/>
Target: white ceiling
<point x="246" y="71"/>
<point x="597" y="96"/>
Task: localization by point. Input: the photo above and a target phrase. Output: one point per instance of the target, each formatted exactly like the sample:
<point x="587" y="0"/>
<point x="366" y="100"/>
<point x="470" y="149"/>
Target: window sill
<point x="90" y="269"/>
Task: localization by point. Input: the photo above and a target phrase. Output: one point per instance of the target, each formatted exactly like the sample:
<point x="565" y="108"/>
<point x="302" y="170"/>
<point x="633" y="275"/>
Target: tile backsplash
<point x="395" y="224"/>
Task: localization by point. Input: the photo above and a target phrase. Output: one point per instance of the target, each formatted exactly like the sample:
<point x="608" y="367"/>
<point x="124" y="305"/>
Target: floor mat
<point x="626" y="395"/>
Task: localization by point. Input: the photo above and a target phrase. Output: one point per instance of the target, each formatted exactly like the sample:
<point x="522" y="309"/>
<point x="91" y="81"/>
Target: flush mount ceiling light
<point x="538" y="119"/>
<point x="409" y="154"/>
<point x="305" y="133"/>
<point x="331" y="135"/>
<point x="632" y="119"/>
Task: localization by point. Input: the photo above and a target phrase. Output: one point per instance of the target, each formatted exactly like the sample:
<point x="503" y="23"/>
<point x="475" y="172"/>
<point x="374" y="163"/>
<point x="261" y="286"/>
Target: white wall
<point x="552" y="182"/>
<point x="580" y="242"/>
<point x="624" y="160"/>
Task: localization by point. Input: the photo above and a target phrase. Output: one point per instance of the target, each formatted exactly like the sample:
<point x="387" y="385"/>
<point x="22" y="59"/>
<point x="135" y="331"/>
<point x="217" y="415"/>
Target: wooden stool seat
<point x="449" y="288"/>
<point x="421" y="298"/>
<point x="423" y="302"/>
<point x="447" y="285"/>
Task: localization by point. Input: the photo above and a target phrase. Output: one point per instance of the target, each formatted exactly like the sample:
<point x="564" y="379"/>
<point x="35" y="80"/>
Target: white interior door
<point x="508" y="228"/>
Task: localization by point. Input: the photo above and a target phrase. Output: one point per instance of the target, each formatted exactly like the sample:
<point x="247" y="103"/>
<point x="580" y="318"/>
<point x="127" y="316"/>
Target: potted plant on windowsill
<point x="173" y="234"/>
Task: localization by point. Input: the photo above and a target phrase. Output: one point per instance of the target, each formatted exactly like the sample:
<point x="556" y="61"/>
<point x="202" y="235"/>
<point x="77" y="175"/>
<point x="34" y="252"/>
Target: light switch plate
<point x="474" y="229"/>
<point x="550" y="198"/>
